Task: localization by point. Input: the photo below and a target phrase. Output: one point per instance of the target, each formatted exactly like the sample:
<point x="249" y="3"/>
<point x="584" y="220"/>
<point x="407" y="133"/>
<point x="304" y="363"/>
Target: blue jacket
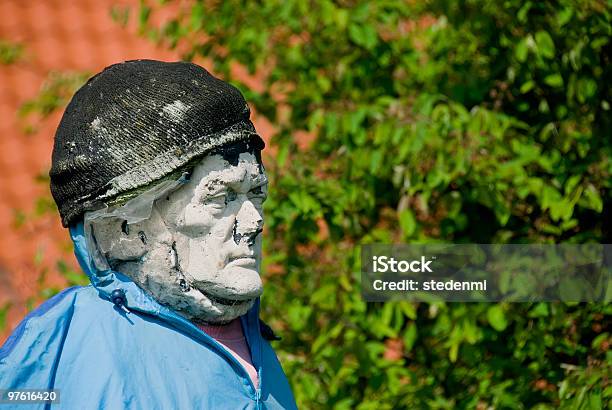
<point x="98" y="356"/>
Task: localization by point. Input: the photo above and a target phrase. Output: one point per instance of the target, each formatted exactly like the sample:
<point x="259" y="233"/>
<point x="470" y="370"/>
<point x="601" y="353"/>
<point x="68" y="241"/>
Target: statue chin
<point x="223" y="315"/>
<point x="219" y="310"/>
<point x="197" y="305"/>
<point x="214" y="310"/>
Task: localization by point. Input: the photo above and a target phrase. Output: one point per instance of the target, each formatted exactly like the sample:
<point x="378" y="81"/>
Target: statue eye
<point x="230" y="196"/>
<point x="221" y="200"/>
<point x="217" y="201"/>
<point x="257" y="195"/>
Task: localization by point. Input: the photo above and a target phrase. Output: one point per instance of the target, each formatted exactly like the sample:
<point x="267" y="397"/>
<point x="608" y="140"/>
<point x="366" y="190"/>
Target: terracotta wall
<point x="57" y="35"/>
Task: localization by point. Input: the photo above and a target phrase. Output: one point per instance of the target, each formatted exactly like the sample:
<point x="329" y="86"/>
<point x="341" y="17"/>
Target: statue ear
<point x="171" y="208"/>
<point x="119" y="241"/>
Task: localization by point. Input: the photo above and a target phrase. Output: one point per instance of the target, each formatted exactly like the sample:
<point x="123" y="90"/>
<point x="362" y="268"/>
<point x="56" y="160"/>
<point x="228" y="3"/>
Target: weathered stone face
<point x="200" y="251"/>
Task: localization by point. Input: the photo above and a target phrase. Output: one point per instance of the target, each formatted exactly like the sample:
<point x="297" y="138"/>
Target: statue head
<point x="165" y="171"/>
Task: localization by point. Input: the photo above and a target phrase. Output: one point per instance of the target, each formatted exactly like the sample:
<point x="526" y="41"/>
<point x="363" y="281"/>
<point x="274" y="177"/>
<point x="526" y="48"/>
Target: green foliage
<point x="3" y="313"/>
<point x="55" y="93"/>
<point x="120" y="15"/>
<point x="469" y="121"/>
<point x="10" y="52"/>
<point x="44" y="290"/>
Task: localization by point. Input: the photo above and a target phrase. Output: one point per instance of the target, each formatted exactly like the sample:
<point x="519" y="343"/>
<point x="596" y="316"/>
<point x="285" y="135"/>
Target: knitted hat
<point x="135" y="123"/>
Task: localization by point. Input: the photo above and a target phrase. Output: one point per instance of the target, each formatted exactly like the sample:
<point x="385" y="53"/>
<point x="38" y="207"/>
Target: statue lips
<point x="244" y="261"/>
<point x="241" y="257"/>
<point x="220" y="295"/>
<point x="224" y="301"/>
<point x="228" y="300"/>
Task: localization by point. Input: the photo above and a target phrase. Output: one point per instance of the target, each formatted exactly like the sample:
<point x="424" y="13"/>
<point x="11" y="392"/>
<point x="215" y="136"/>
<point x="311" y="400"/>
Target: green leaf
<point x="144" y="15"/>
<point x="527" y="86"/>
<point x="497" y="318"/>
<point x="408" y="309"/>
<point x="564" y="16"/>
<point x="407" y="222"/>
<point x="554" y="80"/>
<point x="521" y="50"/>
<point x="3" y="314"/>
<point x="592" y="199"/>
<point x="546" y="46"/>
<point x="586" y="88"/>
<point x="539" y="310"/>
<point x="410" y="337"/>
<point x="363" y="35"/>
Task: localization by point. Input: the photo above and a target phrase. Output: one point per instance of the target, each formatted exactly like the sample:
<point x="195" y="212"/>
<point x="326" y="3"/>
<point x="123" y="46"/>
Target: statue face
<point x="200" y="251"/>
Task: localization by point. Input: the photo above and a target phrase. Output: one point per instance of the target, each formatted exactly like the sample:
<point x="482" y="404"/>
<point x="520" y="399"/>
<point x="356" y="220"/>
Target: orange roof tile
<point x="57" y="36"/>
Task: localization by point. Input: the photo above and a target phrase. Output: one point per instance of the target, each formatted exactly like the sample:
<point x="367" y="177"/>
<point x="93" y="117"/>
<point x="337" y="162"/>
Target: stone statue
<point x="199" y="251"/>
<point x="157" y="172"/>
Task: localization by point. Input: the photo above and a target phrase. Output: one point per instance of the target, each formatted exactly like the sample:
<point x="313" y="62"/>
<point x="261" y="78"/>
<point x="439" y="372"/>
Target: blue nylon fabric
<point x="100" y="357"/>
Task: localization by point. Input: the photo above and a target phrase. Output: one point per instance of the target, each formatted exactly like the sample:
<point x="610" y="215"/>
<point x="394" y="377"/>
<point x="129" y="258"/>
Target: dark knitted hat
<point x="135" y="123"/>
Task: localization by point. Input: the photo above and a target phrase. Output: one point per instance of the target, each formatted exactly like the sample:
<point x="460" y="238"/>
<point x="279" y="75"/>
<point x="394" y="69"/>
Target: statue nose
<point x="248" y="224"/>
<point x="250" y="234"/>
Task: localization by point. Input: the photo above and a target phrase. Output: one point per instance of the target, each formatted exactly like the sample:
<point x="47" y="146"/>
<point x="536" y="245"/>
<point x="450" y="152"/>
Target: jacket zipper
<point x="257" y="398"/>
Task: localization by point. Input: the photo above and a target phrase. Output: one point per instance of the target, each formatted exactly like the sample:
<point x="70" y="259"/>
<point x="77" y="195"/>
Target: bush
<point x="460" y="122"/>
